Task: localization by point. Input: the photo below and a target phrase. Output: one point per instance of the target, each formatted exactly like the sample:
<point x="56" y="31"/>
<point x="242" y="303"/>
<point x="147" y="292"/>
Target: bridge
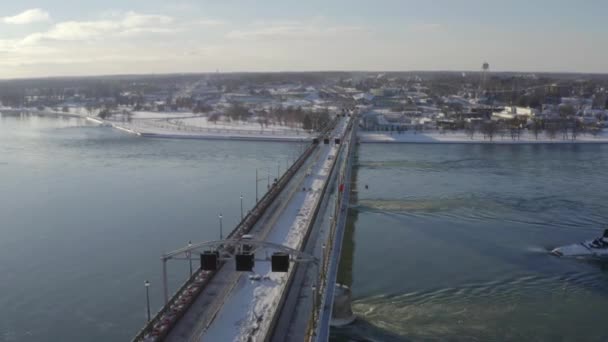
<point x="273" y="277"/>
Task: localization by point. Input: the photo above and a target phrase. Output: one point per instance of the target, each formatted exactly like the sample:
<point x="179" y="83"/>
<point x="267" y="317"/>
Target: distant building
<point x="509" y="113"/>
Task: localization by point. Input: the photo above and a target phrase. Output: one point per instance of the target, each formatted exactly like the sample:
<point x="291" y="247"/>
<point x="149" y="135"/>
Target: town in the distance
<point x="425" y="107"/>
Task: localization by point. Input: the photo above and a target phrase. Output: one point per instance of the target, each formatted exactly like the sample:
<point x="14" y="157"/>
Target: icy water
<point x="450" y="243"/>
<point x="86" y="212"/>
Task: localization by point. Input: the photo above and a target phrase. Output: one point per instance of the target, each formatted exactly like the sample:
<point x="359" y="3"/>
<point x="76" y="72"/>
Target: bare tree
<point x="90" y="108"/>
<point x="563" y="127"/>
<point x="536" y="128"/>
<point x="104" y="113"/>
<point x="489" y="129"/>
<point x="503" y="130"/>
<point x="576" y="128"/>
<point x="469" y="129"/>
<point x="551" y="129"/>
<point x="566" y="111"/>
<point x="513" y="131"/>
<point x="213" y="118"/>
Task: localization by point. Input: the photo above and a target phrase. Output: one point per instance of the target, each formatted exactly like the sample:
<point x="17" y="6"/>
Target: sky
<point x="40" y="38"/>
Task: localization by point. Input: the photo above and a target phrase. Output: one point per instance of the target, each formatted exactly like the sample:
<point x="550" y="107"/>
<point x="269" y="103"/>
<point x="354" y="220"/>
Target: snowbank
<point x="460" y="137"/>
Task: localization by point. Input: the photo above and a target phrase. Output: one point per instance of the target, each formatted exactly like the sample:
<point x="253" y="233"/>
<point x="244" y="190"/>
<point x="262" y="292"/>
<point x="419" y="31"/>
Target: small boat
<point x="597" y="248"/>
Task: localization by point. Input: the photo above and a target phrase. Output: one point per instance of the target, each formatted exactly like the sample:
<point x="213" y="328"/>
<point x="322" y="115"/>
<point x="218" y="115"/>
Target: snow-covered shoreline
<point x="199" y="127"/>
<point x="220" y="137"/>
<point x="461" y="137"/>
<point x="184" y="125"/>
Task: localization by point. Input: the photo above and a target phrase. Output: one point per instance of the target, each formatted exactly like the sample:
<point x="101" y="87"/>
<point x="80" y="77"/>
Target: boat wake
<point x="538" y="250"/>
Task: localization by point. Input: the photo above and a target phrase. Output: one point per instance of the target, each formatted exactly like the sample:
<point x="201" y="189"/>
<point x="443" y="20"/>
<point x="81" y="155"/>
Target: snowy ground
<point x="461" y="137"/>
<point x="187" y="125"/>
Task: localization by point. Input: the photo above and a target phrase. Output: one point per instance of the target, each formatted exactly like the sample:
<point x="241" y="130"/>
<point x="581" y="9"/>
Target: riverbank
<point x="182" y="126"/>
<point x="217" y="134"/>
<point x="198" y="127"/>
<point x="460" y="137"/>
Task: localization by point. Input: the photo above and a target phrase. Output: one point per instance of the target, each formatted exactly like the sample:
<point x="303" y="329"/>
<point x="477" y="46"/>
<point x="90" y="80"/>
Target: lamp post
<point x="256" y="186"/>
<point x="147" y="285"/>
<point x="257" y="179"/>
<point x="314" y="303"/>
<point x="324" y="264"/>
<point x="189" y="254"/>
<point x="241" y="207"/>
<point x="221" y="231"/>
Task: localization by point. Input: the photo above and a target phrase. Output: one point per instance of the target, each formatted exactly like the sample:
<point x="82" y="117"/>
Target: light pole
<point x="221" y="232"/>
<point x="189" y="254"/>
<point x="147" y="285"/>
<point x="314" y="303"/>
<point x="257" y="179"/>
<point x="324" y="264"/>
<point x="256" y="186"/>
<point x="241" y="207"/>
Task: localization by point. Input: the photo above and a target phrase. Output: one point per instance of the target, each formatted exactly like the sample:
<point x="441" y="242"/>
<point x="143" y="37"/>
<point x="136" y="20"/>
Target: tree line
<point x="568" y="128"/>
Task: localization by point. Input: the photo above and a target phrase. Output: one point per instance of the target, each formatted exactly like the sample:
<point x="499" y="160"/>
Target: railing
<point x="309" y="227"/>
<point x="165" y="319"/>
<point x="344" y="177"/>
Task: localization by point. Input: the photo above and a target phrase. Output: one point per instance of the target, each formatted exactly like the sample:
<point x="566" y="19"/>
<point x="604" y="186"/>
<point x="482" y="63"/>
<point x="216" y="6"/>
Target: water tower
<point x="485" y="70"/>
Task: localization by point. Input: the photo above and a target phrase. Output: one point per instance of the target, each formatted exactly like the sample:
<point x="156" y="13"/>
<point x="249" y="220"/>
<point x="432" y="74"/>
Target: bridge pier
<point x="342" y="313"/>
<point x="165" y="284"/>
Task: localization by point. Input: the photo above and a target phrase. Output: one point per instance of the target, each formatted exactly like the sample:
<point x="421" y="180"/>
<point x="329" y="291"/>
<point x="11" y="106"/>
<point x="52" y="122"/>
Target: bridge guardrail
<point x="306" y="236"/>
<point x="344" y="174"/>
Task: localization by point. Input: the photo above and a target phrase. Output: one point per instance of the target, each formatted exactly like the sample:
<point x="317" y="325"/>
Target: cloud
<point x="291" y="30"/>
<point x="29" y="16"/>
<point x="130" y="23"/>
<point x="136" y="20"/>
<point x="425" y="27"/>
<point x="210" y="22"/>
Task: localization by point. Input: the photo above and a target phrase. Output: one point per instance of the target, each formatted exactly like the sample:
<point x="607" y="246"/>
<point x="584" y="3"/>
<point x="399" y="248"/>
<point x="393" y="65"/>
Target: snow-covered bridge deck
<point x="235" y="307"/>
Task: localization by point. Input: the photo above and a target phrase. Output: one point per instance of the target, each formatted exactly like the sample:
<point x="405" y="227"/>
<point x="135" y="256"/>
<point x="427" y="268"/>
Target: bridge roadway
<point x="235" y="307"/>
<point x="295" y="321"/>
<point x="334" y="248"/>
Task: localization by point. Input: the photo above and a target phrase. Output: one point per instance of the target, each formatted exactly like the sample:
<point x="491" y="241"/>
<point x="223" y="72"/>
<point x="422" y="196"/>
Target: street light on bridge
<point x="241" y="207"/>
<point x="221" y="231"/>
<point x="257" y="180"/>
<point x="189" y="254"/>
<point x="147" y="285"/>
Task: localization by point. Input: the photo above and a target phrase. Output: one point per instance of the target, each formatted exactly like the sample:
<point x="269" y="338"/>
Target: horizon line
<point x="296" y="72"/>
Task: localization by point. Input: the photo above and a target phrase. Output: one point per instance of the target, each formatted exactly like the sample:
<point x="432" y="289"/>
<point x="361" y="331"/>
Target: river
<point x="450" y="242"/>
